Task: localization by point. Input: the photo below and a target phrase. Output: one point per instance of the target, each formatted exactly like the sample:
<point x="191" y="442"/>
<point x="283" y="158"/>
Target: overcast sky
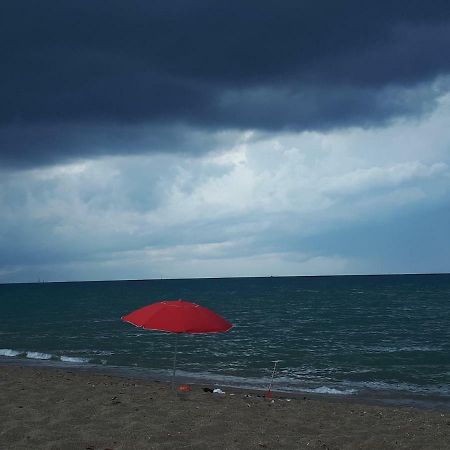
<point x="187" y="138"/>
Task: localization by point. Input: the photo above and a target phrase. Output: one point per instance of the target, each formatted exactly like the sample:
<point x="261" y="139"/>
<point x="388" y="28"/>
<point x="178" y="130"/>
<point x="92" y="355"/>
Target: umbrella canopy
<point x="177" y="316"/>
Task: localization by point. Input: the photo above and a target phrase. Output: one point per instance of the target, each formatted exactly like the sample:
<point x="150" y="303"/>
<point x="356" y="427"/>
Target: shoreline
<point x="53" y="408"/>
<point x="372" y="397"/>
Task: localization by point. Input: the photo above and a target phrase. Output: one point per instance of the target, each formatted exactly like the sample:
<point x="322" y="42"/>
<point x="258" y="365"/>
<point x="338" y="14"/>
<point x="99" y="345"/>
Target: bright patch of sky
<point x="264" y="203"/>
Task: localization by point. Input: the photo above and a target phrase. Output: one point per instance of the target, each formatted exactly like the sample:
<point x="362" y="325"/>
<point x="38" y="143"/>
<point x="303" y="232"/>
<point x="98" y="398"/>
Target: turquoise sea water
<point x="382" y="336"/>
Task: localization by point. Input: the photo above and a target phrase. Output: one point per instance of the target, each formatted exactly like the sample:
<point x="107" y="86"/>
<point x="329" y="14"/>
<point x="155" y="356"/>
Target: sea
<point x="381" y="338"/>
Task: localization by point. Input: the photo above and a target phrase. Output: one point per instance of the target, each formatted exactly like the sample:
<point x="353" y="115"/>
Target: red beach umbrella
<point x="177" y="316"/>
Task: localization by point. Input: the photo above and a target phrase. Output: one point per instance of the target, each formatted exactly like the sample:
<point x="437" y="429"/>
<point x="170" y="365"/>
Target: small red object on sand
<point x="268" y="394"/>
<point x="184" y="388"/>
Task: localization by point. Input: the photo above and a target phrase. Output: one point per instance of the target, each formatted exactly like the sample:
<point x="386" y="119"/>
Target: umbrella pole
<point x="174" y="362"/>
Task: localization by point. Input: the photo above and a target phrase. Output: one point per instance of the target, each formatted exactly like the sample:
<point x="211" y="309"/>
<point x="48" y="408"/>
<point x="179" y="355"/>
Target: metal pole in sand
<point x="269" y="391"/>
<point x="174" y="362"/>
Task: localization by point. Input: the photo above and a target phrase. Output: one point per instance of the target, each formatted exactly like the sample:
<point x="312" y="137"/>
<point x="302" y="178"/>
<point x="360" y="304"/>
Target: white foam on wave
<point x="74" y="359"/>
<point x="8" y="352"/>
<point x="327" y="390"/>
<point x="416" y="348"/>
<point x="101" y="352"/>
<point x="38" y="355"/>
<point x="437" y="389"/>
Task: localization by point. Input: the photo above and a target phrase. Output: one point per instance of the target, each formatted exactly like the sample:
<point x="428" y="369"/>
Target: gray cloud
<point x="95" y="77"/>
<point x="347" y="201"/>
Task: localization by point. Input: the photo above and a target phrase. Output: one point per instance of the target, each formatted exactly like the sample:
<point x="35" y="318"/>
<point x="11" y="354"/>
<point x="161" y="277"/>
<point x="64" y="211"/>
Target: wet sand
<point x="44" y="408"/>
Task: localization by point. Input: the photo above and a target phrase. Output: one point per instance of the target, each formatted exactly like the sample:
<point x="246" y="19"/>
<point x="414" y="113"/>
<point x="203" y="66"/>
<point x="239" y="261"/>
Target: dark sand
<point x="63" y="409"/>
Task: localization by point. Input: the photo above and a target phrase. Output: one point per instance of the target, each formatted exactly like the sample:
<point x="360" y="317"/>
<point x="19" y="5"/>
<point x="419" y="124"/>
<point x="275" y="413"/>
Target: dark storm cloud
<point x="259" y="64"/>
<point x="27" y="144"/>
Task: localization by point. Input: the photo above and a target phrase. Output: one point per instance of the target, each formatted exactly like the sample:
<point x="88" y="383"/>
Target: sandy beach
<point x="66" y="409"/>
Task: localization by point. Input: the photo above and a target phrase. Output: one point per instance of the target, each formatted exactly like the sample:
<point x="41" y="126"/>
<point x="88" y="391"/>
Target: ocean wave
<point x="43" y="356"/>
<point x="8" y="352"/>
<point x="74" y="359"/>
<point x="440" y="389"/>
<point x="38" y="355"/>
<point x="101" y="352"/>
<point x="328" y="390"/>
<point x="404" y="349"/>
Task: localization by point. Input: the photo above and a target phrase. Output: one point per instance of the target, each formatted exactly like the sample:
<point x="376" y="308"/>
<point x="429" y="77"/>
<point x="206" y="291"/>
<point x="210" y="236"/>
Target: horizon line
<point x="229" y="277"/>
